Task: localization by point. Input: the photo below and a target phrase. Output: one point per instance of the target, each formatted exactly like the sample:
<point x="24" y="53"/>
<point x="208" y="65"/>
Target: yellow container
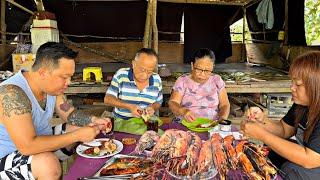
<point x="97" y="71"/>
<point x="22" y="61"/>
<point x="281" y="35"/>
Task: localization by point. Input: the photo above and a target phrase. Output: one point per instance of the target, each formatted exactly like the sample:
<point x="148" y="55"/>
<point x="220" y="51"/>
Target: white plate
<point x="237" y="135"/>
<point x="81" y="148"/>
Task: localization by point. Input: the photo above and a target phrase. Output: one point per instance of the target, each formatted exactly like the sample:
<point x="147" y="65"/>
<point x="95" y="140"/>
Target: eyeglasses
<point x="199" y="71"/>
<point x="143" y="70"/>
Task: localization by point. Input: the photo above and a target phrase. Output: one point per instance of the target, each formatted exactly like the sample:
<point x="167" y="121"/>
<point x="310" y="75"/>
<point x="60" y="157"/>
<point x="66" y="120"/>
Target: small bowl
<point x="213" y="130"/>
<point x="225" y="125"/>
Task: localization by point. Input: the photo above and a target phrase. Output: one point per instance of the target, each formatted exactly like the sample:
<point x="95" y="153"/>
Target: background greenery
<point x="312" y="24"/>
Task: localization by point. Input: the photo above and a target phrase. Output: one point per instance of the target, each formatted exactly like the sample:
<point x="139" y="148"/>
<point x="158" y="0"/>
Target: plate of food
<point x="125" y="166"/>
<point x="100" y="148"/>
<point x="200" y="124"/>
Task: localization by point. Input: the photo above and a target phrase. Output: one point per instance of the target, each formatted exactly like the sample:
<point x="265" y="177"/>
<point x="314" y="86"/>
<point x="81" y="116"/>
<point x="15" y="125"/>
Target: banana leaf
<point x="193" y="125"/>
<point x="133" y="126"/>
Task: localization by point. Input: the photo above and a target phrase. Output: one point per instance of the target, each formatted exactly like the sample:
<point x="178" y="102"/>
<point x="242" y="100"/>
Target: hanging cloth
<point x="265" y="15"/>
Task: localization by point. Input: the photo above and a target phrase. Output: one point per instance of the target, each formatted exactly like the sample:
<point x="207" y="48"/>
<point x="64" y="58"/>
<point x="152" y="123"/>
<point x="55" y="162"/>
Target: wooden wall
<point x="168" y="52"/>
<point x="236" y="54"/>
<point x="172" y="52"/>
<point x="5" y="52"/>
<point x="270" y="53"/>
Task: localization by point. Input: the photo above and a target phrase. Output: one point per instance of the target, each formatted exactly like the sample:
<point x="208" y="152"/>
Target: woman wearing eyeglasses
<point x="200" y="93"/>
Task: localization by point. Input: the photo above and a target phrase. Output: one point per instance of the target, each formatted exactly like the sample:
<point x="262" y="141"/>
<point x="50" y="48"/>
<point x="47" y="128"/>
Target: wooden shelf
<point x="261" y="87"/>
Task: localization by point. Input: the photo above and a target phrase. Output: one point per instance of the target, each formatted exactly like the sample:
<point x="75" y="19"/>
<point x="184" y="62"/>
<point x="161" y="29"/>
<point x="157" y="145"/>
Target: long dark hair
<point x="307" y="68"/>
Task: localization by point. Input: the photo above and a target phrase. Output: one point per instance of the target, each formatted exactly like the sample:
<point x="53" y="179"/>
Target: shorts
<point x="295" y="172"/>
<point x="17" y="166"/>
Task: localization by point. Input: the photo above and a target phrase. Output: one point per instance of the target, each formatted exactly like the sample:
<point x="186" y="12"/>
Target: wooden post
<point x="147" y="30"/>
<point x="150" y="34"/>
<point x="19" y="6"/>
<point x="286" y="10"/>
<point x="154" y="25"/>
<point x="155" y="30"/>
<point x="3" y="23"/>
<point x="243" y="49"/>
<point x="39" y="4"/>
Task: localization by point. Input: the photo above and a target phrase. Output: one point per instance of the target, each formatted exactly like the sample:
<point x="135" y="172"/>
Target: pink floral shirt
<point x="201" y="99"/>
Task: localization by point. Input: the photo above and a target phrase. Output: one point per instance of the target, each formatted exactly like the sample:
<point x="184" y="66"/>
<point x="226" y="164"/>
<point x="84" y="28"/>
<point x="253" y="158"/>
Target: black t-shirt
<point x="314" y="140"/>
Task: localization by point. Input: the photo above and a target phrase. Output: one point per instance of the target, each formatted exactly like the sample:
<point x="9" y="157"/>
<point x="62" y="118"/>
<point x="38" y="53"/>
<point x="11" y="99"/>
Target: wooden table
<point x="84" y="167"/>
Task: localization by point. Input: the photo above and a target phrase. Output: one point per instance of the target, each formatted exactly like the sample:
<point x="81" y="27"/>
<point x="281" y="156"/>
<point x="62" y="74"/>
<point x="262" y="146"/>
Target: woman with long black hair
<point x="295" y="139"/>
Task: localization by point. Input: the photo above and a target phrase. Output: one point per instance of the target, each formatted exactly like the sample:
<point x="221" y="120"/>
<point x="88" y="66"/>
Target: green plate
<point x="133" y="126"/>
<point x="193" y="125"/>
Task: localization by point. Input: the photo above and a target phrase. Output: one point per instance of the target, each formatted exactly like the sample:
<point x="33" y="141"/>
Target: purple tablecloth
<point x="85" y="167"/>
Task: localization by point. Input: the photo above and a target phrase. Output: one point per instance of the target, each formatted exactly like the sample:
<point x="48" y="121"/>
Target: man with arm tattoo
<point x="27" y="103"/>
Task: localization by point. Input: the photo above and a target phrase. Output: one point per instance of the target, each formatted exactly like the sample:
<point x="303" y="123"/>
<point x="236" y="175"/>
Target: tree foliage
<point x="236" y="31"/>
<point x="312" y="21"/>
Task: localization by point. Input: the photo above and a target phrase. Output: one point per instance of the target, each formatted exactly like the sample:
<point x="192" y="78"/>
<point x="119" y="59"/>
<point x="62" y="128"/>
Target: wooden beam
<point x="262" y="87"/>
<point x="20" y="6"/>
<point x="147" y="27"/>
<point x="257" y="90"/>
<point x="39" y="4"/>
<point x="286" y="10"/>
<point x="218" y="2"/>
<point x="227" y="3"/>
<point x="243" y="49"/>
<point x="154" y="26"/>
<point x="3" y="23"/>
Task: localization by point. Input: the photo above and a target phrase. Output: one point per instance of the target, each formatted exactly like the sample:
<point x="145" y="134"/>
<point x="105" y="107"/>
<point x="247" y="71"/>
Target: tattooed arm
<point x="14" y="101"/>
<point x="63" y="108"/>
<point x="71" y="115"/>
<point x="15" y="115"/>
<point x="77" y="117"/>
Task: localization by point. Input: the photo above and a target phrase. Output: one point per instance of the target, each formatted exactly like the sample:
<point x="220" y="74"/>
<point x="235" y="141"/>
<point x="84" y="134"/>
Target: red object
<point x="112" y="125"/>
<point x="152" y="125"/>
<point x="41" y="15"/>
<point x="140" y="112"/>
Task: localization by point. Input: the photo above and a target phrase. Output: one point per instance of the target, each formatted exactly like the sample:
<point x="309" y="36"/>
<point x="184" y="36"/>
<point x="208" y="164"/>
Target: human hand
<point x="150" y="111"/>
<point x="87" y="133"/>
<point x="136" y="111"/>
<point x="104" y="124"/>
<point x="256" y="114"/>
<point x="189" y="115"/>
<point x="252" y="129"/>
